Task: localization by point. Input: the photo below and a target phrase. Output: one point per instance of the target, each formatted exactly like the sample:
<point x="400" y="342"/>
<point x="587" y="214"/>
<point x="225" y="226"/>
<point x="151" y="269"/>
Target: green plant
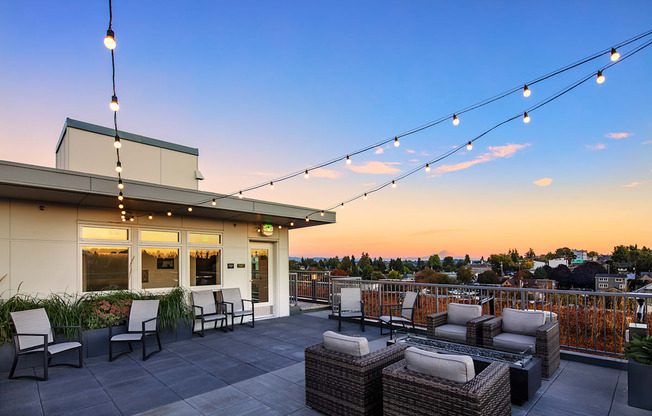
<point x="393" y="274"/>
<point x="639" y="349"/>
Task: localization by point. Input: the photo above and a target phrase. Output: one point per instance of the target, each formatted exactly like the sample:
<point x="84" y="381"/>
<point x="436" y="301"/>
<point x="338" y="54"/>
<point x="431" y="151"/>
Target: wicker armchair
<point x="441" y="327"/>
<point x="340" y="384"/>
<point x="407" y="392"/>
<point x="546" y="342"/>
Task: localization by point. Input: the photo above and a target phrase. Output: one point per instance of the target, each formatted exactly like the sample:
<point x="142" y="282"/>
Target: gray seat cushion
<point x="242" y="313"/>
<point x="354" y="346"/>
<point x="458" y="368"/>
<point x="522" y="322"/>
<point x="351" y="314"/>
<point x="460" y="314"/>
<point x="395" y="319"/>
<point x="63" y="346"/>
<point x="127" y="337"/>
<point x="515" y="342"/>
<point x="215" y="317"/>
<point x="451" y="332"/>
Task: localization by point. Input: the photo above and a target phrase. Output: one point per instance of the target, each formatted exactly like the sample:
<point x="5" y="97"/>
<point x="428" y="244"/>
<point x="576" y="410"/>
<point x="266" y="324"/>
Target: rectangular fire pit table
<point x="524" y="369"/>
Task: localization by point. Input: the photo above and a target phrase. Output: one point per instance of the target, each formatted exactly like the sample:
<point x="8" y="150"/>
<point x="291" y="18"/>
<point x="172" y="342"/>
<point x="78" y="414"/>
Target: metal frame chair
<point x="408" y="302"/>
<point x="233" y="298"/>
<point x="206" y="309"/>
<point x="35" y="335"/>
<point x="350" y="305"/>
<point x="143" y="321"/>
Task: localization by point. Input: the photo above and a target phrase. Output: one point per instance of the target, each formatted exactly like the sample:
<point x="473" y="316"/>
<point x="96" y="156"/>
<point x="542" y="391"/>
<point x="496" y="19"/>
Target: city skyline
<point x="303" y="83"/>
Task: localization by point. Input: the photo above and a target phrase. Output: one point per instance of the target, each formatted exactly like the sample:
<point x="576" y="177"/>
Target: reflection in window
<point x="204" y="267"/>
<point x="160" y="236"/>
<point x="204" y="238"/>
<point x="160" y="267"/>
<point x="97" y="233"/>
<point x="105" y="268"/>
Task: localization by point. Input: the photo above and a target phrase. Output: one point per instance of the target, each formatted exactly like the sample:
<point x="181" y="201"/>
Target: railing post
<point x="436" y="299"/>
<point x="492" y="305"/>
<point x="523" y="297"/>
<point x="380" y="298"/>
<point x="314" y="288"/>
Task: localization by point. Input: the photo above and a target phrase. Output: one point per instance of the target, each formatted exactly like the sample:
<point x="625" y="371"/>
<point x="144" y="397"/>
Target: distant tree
<point x="540" y="273"/>
<point x="530" y="255"/>
<point x="448" y="264"/>
<point x="393" y="274"/>
<point x="513" y="254"/>
<point x="409" y="267"/>
<point x="339" y="272"/>
<point x="354" y="267"/>
<point x="526" y="265"/>
<point x="376" y="275"/>
<point x="524" y="274"/>
<point x="488" y="277"/>
<point x="364" y="261"/>
<point x="620" y="255"/>
<point x="593" y="254"/>
<point x="644" y="262"/>
<point x="561" y="274"/>
<point x="505" y="260"/>
<point x="295" y="265"/>
<point x="345" y="265"/>
<point x="396" y="265"/>
<point x="367" y="271"/>
<point x="380" y="265"/>
<point x="583" y="276"/>
<point x="566" y="253"/>
<point x="482" y="259"/>
<point x="420" y="264"/>
<point x="467" y="259"/>
<point x="464" y="275"/>
<point x="428" y="275"/>
<point x="333" y="263"/>
<point x="434" y="262"/>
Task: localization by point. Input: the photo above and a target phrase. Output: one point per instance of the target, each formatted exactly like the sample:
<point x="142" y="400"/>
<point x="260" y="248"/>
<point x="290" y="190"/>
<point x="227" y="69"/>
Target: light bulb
<point x="150" y="216"/>
<point x="469" y="146"/>
<point x="614" y="55"/>
<point x="307" y="219"/>
<point x="348" y="160"/>
<point x="121" y="206"/>
<point x="365" y="196"/>
<point x="123" y="212"/>
<point x="321" y="213"/>
<point x="396" y="142"/>
<point x="427" y="167"/>
<point x="169" y="213"/>
<point x="342" y="205"/>
<point x="271" y="185"/>
<point x="131" y="219"/>
<point x="124" y="219"/>
<point x="189" y="209"/>
<point x="393" y="184"/>
<point x="526" y="91"/>
<point x="117" y="144"/>
<point x="120" y="184"/>
<point x="526" y="118"/>
<point x="240" y="195"/>
<point x="120" y="197"/>
<point x="306" y="175"/>
<point x="291" y="223"/>
<point x="109" y="40"/>
<point x="600" y="79"/>
<point x="214" y="202"/>
<point x="456" y="120"/>
<point x="280" y="226"/>
<point x="114" y="106"/>
<point x="118" y="167"/>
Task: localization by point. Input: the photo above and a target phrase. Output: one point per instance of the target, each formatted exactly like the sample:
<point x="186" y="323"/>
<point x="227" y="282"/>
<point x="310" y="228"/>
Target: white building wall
<point x="40" y="249"/>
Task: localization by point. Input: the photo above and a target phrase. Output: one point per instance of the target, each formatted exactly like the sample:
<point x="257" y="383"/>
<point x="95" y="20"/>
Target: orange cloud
<point x="543" y="182"/>
<point x="410" y="151"/>
<point x="617" y="136"/>
<point x="648" y="142"/>
<point x="631" y="185"/>
<point x="325" y="173"/>
<point x="379" y="150"/>
<point x="375" y="168"/>
<point x="494" y="153"/>
<point x="594" y="147"/>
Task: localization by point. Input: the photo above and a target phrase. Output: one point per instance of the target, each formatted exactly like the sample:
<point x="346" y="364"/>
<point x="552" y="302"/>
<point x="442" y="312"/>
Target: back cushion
<point x="353" y="346"/>
<point x="457" y="368"/>
<point x="409" y="303"/>
<point x="32" y="321"/>
<point x="460" y="314"/>
<point x="522" y="322"/>
<point x="206" y="300"/>
<point x="351" y="297"/>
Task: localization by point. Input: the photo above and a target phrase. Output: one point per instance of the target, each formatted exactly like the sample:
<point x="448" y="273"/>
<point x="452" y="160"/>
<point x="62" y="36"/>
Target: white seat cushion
<point x="522" y="322"/>
<point x="354" y="346"/>
<point x="460" y="314"/>
<point x="397" y="319"/>
<point x="457" y="368"/>
<point x="63" y="346"/>
<point x="213" y="317"/>
<point x="515" y="342"/>
<point x="241" y="313"/>
<point x="350" y="314"/>
<point x="451" y="332"/>
<point x="127" y="337"/>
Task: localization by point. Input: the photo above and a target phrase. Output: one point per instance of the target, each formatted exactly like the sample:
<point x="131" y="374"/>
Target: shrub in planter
<point x="639" y="371"/>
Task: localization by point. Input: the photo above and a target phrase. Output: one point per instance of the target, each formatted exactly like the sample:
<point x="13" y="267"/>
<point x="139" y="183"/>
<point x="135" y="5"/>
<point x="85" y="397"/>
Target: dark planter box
<point x="639" y="380"/>
<point x="184" y="329"/>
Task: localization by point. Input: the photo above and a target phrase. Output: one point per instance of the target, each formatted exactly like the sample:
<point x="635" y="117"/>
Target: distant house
<point x="580" y="256"/>
<point x="557" y="262"/>
<point x="530" y="283"/>
<point x="537" y="264"/>
<point x="477" y="269"/>
<point x="603" y="258"/>
<point x="604" y="282"/>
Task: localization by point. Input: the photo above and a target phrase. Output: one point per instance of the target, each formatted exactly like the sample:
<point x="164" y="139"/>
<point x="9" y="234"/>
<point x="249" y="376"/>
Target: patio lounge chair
<point x="206" y="309"/>
<point x="344" y="378"/>
<point x="460" y="323"/>
<point x="426" y="383"/>
<point x="405" y="313"/>
<point x="35" y="335"/>
<point x="234" y="301"/>
<point x="143" y="322"/>
<point x="518" y="330"/>
<point x="350" y="305"/>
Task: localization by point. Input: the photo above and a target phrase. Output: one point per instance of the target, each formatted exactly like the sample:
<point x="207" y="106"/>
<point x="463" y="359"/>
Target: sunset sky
<point x="268" y="88"/>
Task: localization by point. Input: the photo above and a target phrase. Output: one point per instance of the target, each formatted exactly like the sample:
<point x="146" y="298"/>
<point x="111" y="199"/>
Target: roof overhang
<point x="49" y="185"/>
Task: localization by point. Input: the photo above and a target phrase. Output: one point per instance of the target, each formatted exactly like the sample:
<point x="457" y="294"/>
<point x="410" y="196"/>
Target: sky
<point x="268" y="88"/>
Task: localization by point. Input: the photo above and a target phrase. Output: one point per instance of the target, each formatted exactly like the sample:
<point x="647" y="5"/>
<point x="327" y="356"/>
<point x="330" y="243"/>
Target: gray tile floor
<point x="257" y="371"/>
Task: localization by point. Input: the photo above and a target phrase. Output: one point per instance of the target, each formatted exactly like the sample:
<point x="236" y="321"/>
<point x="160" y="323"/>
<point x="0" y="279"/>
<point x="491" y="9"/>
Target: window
<point x="602" y="285"/>
<point x="205" y="267"/>
<point x="99" y="233"/>
<point x="159" y="236"/>
<point x="619" y="279"/>
<point x="204" y="238"/>
<point x="622" y="285"/>
<point x="603" y="279"/>
<point x="160" y="267"/>
<point x="105" y="268"/>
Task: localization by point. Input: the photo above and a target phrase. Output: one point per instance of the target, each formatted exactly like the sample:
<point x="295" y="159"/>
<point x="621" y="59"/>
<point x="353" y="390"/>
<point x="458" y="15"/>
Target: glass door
<point x="261" y="269"/>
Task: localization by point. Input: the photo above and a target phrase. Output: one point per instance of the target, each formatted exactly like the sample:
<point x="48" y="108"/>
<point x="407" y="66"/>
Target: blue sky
<point x="265" y="88"/>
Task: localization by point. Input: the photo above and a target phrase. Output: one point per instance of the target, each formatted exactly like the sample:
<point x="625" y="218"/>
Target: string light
<point x="614" y="55"/>
<point x="321" y="213"/>
<point x="291" y="223"/>
<point x="189" y="209"/>
<point x="150" y="216"/>
<point x="280" y="227"/>
<point x="114" y="106"/>
<point x="342" y="205"/>
<point x="118" y="167"/>
<point x="393" y="184"/>
<point x="600" y="78"/>
<point x="131" y="219"/>
<point x="348" y="160"/>
<point x="526" y="118"/>
<point x="214" y="202"/>
<point x="456" y="120"/>
<point x="121" y="206"/>
<point x="526" y="91"/>
<point x="123" y="212"/>
<point x="271" y="185"/>
<point x="365" y="196"/>
<point x="396" y="142"/>
<point x="116" y="143"/>
<point x="306" y="175"/>
<point x="240" y="195"/>
<point x="169" y="213"/>
<point x="427" y="168"/>
<point x="120" y="184"/>
<point x="307" y="219"/>
<point x="120" y="197"/>
<point x="124" y="219"/>
<point x="469" y="146"/>
<point x="109" y="40"/>
<point x="122" y="216"/>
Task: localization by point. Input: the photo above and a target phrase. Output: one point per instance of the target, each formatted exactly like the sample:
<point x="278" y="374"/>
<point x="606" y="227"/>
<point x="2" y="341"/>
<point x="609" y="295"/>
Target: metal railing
<point x="590" y="322"/>
<point x="309" y="285"/>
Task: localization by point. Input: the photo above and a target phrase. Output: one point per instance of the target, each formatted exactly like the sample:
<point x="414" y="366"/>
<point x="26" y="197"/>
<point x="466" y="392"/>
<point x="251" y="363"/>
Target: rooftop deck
<point x="257" y="371"/>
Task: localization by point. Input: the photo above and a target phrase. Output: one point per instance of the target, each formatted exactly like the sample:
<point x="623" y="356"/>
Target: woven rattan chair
<point x="399" y="314"/>
<point x="206" y="309"/>
<point x="143" y="322"/>
<point x="407" y="392"/>
<point x="35" y="335"/>
<point x="350" y="306"/>
<point x="455" y="327"/>
<point x="339" y="384"/>
<point x="545" y="340"/>
<point x="236" y="306"/>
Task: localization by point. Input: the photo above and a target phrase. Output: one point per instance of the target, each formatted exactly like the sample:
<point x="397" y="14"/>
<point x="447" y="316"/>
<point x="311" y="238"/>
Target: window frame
<point x="101" y="243"/>
<point x="203" y="246"/>
<point x="144" y="244"/>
